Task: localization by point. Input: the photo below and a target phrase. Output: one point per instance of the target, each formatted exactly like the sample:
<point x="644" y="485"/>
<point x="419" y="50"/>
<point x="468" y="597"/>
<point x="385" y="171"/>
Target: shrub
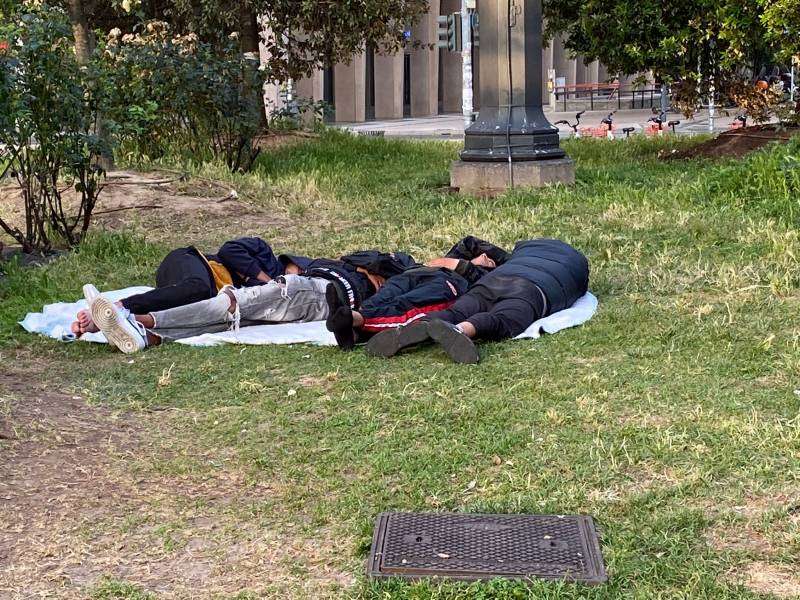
<point x="175" y="92"/>
<point x="49" y="110"/>
<point x="759" y="102"/>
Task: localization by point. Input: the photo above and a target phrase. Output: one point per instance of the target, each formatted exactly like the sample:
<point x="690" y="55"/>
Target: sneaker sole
<point x="90" y="292"/>
<point x="388" y="343"/>
<point x="458" y="346"/>
<point x="106" y="317"/>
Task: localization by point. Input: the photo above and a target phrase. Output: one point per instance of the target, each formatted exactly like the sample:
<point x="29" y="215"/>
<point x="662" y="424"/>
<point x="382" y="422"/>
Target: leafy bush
<point x="758" y="102"/>
<point x="49" y="112"/>
<point x="175" y="92"/>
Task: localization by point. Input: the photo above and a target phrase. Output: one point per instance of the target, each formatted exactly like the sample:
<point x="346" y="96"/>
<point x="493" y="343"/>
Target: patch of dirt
<point x="76" y="504"/>
<point x="745" y="533"/>
<point x="163" y="203"/>
<point x="734" y="143"/>
<point x="739" y="537"/>
<point x="781" y="581"/>
<point x="195" y="207"/>
<point x="325" y="382"/>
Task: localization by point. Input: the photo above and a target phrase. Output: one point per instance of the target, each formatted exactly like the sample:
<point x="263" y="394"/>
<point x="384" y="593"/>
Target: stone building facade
<point x="418" y="82"/>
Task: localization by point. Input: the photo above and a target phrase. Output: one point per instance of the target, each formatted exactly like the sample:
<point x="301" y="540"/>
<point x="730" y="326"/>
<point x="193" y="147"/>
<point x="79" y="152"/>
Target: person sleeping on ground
<point x="298" y="295"/>
<point x="412" y="294"/>
<point x="540" y="277"/>
<point x="186" y="275"/>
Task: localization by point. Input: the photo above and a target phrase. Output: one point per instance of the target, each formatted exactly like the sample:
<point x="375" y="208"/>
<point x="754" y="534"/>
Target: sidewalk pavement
<point x="451" y="126"/>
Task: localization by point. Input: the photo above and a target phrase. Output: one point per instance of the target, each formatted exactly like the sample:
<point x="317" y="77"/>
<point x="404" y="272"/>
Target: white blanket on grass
<point x="55" y="319"/>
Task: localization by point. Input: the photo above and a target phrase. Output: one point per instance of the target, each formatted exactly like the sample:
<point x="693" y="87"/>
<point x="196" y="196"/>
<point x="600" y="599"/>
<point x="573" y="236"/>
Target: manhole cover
<point x="472" y="547"/>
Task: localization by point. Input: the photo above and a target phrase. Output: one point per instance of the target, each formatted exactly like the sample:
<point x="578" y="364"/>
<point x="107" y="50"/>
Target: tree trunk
<point x="84" y="43"/>
<point x="248" y="29"/>
<point x="249" y="39"/>
<point x="84" y="46"/>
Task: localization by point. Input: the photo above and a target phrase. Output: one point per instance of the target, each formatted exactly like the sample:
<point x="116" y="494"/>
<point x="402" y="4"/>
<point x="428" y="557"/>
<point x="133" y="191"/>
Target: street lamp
<point x="511" y="143"/>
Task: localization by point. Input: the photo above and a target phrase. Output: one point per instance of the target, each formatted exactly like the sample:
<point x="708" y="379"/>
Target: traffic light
<point x="449" y="32"/>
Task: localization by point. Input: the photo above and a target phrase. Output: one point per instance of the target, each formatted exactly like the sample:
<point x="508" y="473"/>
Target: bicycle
<point x="655" y="126"/>
<point x="575" y="131"/>
<point x="605" y="130"/>
<point x="739" y="122"/>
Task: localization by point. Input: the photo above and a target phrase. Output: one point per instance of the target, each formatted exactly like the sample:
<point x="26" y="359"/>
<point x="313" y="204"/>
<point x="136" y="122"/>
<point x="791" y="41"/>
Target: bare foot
<point x="84" y="324"/>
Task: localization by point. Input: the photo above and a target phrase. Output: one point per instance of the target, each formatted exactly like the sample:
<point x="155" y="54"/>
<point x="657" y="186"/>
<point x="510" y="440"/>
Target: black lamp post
<point x="511" y="119"/>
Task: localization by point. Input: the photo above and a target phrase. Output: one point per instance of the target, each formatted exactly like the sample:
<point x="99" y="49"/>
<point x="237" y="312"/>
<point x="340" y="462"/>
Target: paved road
<point x="452" y="125"/>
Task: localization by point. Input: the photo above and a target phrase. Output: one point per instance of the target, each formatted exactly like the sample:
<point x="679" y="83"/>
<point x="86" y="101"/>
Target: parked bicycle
<point x="605" y="130"/>
<point x="739" y="122"/>
<point x="655" y="125"/>
<point x="574" y="126"/>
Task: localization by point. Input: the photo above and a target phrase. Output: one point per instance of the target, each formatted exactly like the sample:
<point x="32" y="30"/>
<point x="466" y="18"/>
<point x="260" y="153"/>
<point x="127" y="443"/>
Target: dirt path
<point x="80" y="501"/>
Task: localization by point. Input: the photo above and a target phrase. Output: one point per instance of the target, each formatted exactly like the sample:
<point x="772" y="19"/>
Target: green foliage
<point x="49" y="108"/>
<point x="671" y="38"/>
<point x="301" y="35"/>
<point x="308" y="34"/>
<point x="178" y="92"/>
<point x="698" y="46"/>
<point x="781" y="20"/>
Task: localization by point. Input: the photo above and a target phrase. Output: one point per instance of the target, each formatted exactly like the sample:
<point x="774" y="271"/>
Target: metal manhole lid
<point x="473" y="547"/>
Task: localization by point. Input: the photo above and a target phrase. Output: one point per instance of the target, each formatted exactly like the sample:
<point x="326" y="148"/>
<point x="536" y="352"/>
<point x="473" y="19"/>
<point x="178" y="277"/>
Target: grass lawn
<point x="672" y="416"/>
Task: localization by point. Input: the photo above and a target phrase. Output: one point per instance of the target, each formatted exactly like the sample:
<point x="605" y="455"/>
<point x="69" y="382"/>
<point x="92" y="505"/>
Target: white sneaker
<point x="90" y="293"/>
<point x="120" y="329"/>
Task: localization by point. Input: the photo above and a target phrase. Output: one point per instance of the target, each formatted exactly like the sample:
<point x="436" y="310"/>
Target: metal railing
<point x="605" y="95"/>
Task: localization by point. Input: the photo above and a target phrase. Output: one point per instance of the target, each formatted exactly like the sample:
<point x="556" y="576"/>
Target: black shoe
<point x="341" y="324"/>
<point x="390" y="342"/>
<point x="335" y="297"/>
<point x="458" y="346"/>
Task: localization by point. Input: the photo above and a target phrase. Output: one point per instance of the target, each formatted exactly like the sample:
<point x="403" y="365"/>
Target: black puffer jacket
<point x="560" y="271"/>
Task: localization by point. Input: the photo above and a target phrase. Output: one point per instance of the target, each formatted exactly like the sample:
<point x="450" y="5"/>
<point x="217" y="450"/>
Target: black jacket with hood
<point x="560" y="271"/>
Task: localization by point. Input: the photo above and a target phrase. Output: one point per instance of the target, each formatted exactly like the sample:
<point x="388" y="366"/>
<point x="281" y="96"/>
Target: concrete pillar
<point x="425" y="65"/>
<point x="593" y="72"/>
<point x="602" y="73"/>
<point x="581" y="71"/>
<point x="562" y="63"/>
<point x="389" y="86"/>
<point x="350" y="90"/>
<point x="626" y="81"/>
<point x="272" y="89"/>
<point x="272" y="97"/>
<point x="451" y="66"/>
<point x="311" y="89"/>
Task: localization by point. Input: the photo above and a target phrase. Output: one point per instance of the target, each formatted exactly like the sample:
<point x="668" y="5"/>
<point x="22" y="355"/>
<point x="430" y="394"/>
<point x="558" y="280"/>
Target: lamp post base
<point x="488" y="178"/>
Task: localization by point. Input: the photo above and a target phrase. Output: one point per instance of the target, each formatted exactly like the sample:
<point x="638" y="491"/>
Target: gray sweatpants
<point x="295" y="299"/>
